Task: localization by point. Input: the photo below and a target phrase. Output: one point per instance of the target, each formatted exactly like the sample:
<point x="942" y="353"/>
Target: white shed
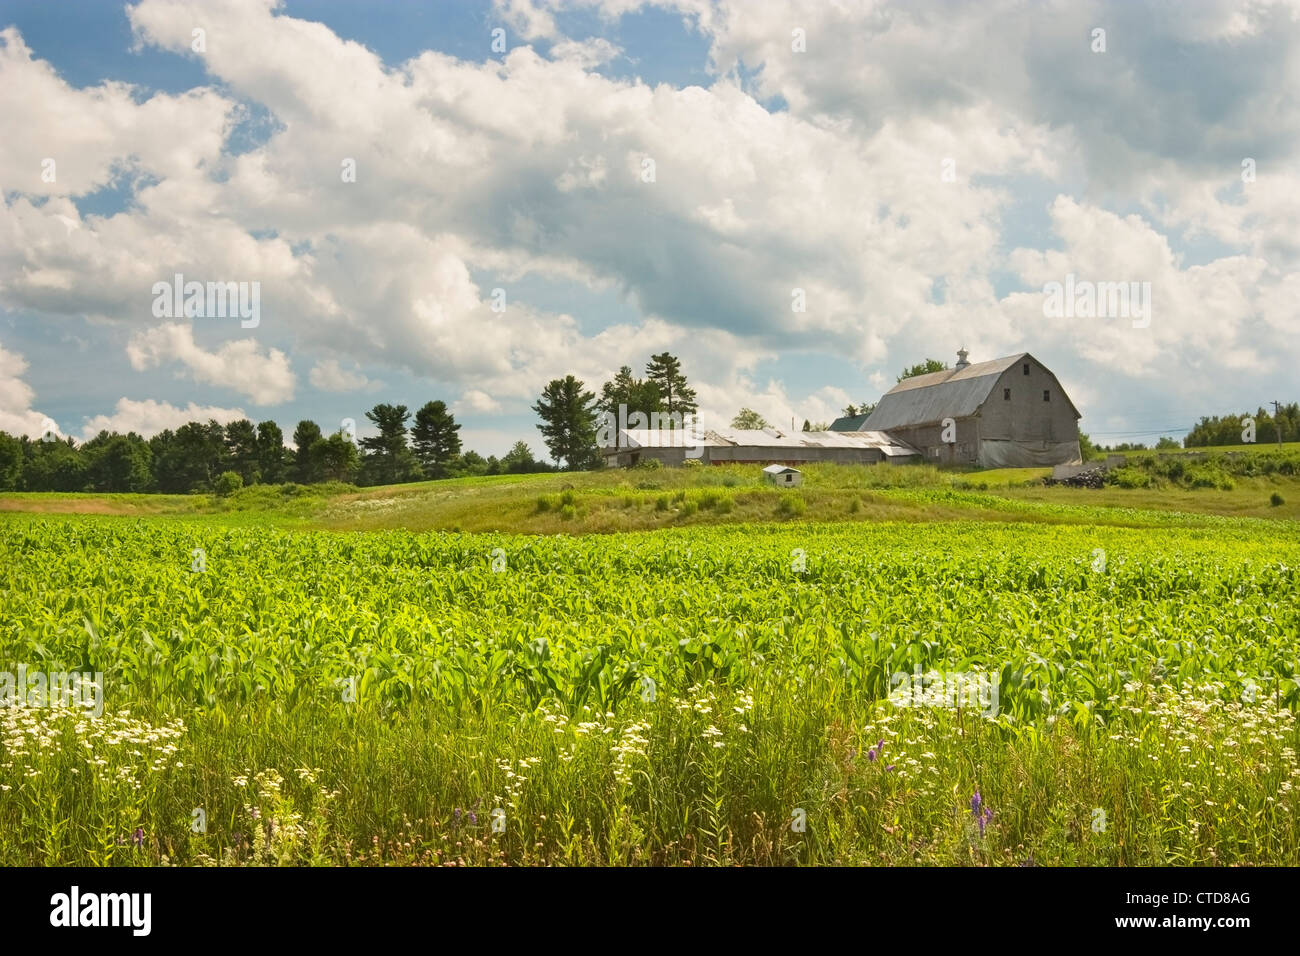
<point x="783" y="475"/>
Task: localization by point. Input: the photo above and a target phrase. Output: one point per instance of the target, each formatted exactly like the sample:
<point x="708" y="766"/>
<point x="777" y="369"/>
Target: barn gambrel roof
<point x="952" y="393"/>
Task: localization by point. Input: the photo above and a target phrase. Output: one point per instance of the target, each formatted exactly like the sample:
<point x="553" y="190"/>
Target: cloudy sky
<point x="635" y="176"/>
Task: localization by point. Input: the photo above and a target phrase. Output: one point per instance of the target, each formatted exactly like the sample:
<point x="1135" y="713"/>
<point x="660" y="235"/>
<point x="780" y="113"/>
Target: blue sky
<point x="794" y="146"/>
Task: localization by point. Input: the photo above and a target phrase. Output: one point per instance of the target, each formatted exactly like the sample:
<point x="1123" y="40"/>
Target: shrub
<point x="568" y="498"/>
<point x="1210" y="476"/>
<point x="710" y="498"/>
<point x="791" y="505"/>
<point x="227" y="483"/>
<point x="1129" y="477"/>
<point x="680" y="496"/>
<point x="1276" y="500"/>
<point x="855" y="506"/>
<point x="545" y="503"/>
<point x="568" y="512"/>
<point x="725" y="504"/>
<point x="650" y="464"/>
<point x="689" y="508"/>
<point x="693" y="463"/>
<point x="661" y="503"/>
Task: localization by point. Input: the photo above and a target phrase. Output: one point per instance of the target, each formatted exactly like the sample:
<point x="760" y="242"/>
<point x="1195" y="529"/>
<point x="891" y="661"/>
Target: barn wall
<point x="625" y="458"/>
<point x="927" y="438"/>
<point x="1026" y="417"/>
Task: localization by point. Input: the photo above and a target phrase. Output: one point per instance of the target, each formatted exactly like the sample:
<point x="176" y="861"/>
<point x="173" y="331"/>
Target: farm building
<point x="783" y="476"/>
<point x="1007" y="413"/>
<point x="754" y="446"/>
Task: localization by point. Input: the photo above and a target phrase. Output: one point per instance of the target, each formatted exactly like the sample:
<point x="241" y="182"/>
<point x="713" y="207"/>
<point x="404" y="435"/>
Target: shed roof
<point x="759" y="437"/>
<point x="779" y="470"/>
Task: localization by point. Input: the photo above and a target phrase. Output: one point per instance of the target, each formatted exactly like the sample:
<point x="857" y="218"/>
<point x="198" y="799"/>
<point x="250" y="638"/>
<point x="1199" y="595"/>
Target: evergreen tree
<point x="271" y="453"/>
<point x="678" y="398"/>
<point x="241" y="440"/>
<point x="436" y="439"/>
<point x="388" y="459"/>
<point x="637" y="394"/>
<point x="568" y="422"/>
<point x="11" y="463"/>
<point x="518" y="460"/>
<point x="305" y="437"/>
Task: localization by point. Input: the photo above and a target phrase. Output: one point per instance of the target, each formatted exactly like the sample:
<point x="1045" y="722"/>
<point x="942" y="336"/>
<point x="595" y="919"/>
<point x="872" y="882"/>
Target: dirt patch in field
<point x="67" y="506"/>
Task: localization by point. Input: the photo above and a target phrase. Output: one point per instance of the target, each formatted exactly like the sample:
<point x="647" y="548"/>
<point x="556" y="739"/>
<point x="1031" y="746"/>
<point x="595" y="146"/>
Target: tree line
<point x="1214" y="430"/>
<point x="1227" y="429"/>
<point x="205" y="457"/>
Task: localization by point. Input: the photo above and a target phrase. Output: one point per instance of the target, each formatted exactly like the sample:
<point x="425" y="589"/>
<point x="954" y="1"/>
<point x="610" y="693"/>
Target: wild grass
<point x="629" y="500"/>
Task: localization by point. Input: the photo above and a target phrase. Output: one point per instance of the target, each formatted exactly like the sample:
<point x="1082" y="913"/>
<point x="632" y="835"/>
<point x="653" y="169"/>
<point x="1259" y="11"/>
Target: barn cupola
<point x="961" y="358"/>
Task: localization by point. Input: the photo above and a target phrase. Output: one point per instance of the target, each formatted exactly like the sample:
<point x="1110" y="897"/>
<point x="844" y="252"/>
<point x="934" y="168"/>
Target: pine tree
<point x="568" y="422"/>
<point x="637" y="394"/>
<point x="435" y="438"/>
<point x="305" y="469"/>
<point x="388" y="454"/>
<point x="678" y="398"/>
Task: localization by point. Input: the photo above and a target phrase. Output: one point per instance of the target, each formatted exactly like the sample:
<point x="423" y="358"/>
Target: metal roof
<point x="759" y="437"/>
<point x="952" y="393"/>
<point x="849" y="423"/>
<point x="780" y="469"/>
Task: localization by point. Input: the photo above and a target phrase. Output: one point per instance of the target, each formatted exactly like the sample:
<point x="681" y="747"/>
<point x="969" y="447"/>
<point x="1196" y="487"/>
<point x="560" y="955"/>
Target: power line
<point x="1151" y="431"/>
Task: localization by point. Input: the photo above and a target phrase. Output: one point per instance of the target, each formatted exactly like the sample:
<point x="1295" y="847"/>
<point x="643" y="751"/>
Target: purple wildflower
<point x="876" y="751"/>
<point x="982" y="813"/>
<point x="138" y="838"/>
<point x="889" y="768"/>
<point x="473" y="818"/>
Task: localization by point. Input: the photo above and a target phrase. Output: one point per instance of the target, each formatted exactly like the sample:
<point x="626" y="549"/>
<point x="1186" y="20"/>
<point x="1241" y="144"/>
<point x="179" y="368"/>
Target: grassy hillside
<point x="647" y="499"/>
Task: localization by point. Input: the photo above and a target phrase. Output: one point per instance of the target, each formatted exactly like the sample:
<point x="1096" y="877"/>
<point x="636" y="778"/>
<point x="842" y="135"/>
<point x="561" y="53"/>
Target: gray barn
<point x="1008" y="413"/>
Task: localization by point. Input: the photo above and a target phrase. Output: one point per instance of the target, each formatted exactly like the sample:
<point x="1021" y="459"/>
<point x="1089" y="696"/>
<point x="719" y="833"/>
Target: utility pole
<point x="1277" y="422"/>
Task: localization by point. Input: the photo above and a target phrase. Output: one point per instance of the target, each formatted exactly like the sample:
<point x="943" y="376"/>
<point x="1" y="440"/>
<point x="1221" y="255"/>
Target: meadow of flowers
<point x="709" y="695"/>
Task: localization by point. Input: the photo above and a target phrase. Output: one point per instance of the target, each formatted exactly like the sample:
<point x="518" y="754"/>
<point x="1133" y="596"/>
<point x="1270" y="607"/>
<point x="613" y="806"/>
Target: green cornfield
<point x="701" y="696"/>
